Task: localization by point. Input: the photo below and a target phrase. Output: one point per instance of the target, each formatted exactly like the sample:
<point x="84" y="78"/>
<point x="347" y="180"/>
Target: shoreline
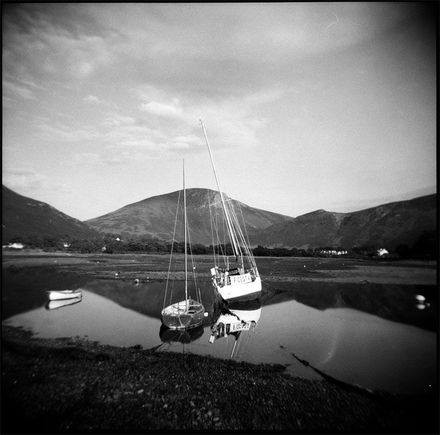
<point x="72" y="385"/>
<point x="155" y="266"/>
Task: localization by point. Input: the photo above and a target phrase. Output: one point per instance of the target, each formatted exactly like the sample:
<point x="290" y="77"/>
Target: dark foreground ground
<point x="58" y="386"/>
<point x="74" y="386"/>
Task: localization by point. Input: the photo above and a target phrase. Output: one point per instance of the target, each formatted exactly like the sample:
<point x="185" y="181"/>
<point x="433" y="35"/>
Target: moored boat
<point x="55" y="295"/>
<point x="188" y="313"/>
<point x="239" y="278"/>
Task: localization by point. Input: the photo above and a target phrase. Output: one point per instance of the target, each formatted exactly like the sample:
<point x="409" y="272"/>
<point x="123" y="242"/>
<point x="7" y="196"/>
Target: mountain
<point x="412" y="222"/>
<point x="387" y="225"/>
<point x="25" y="217"/>
<point x="154" y="217"/>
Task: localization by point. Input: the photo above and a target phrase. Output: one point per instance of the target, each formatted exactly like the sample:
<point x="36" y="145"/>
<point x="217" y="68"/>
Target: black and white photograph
<point x="219" y="217"/>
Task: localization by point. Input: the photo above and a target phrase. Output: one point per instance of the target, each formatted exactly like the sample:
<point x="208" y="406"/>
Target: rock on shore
<point x="66" y="385"/>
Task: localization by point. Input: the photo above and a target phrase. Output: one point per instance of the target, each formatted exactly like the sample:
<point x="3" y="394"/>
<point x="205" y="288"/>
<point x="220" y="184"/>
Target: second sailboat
<point x="239" y="279"/>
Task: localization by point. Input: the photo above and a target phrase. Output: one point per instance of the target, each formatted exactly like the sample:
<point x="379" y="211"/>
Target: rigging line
<point x="221" y="244"/>
<point x="198" y="294"/>
<point x="244" y="225"/>
<point x="236" y="225"/>
<point x="171" y="253"/>
<point x="240" y="232"/>
<point x="216" y="227"/>
<point x="218" y="186"/>
<point x="248" y="245"/>
<point x="186" y="231"/>
<point x="212" y="230"/>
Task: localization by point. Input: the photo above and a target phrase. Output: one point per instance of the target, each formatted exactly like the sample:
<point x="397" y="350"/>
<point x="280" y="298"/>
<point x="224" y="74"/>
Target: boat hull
<point x="56" y="295"/>
<point x="241" y="291"/>
<point x="178" y="316"/>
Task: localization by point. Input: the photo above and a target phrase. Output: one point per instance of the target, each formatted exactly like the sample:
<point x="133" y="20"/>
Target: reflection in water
<point x="180" y="336"/>
<point x="235" y="318"/>
<point x="95" y="318"/>
<point x="54" y="305"/>
<point x="346" y="343"/>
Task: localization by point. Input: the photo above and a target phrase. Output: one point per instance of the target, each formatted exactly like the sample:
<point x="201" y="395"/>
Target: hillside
<point x="412" y="222"/>
<point x="388" y="225"/>
<point x="154" y="217"/>
<point x="26" y="217"/>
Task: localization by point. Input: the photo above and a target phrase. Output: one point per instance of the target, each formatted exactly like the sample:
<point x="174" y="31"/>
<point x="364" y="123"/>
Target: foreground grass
<point x="56" y="386"/>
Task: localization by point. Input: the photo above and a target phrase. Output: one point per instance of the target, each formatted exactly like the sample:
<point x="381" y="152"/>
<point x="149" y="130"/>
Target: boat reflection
<point x="55" y="305"/>
<point x="185" y="336"/>
<point x="235" y="318"/>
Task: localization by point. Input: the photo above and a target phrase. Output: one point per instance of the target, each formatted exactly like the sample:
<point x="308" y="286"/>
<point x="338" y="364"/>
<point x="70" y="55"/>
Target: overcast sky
<point x="306" y="105"/>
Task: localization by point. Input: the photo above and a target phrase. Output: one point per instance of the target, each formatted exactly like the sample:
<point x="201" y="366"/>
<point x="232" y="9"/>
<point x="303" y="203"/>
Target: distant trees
<point x="425" y="247"/>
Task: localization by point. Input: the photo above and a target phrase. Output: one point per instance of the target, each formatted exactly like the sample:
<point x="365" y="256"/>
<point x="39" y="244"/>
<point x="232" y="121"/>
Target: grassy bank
<point x="55" y="386"/>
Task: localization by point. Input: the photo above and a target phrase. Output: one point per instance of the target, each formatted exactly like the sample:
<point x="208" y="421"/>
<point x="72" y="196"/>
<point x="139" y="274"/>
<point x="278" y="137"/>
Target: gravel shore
<point x="75" y="386"/>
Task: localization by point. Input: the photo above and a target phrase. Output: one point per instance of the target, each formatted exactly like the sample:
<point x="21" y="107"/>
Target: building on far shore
<point x="14" y="246"/>
<point x="333" y="252"/>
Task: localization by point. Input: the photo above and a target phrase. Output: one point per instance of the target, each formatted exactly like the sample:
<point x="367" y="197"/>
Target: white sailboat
<point x="239" y="281"/>
<point x="56" y="295"/>
<point x="188" y="313"/>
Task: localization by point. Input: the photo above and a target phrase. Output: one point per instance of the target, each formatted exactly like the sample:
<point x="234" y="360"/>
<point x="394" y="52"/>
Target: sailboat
<point x="188" y="313"/>
<point x="239" y="280"/>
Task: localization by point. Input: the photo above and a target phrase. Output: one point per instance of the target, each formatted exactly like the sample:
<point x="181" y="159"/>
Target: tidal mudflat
<point x="148" y="380"/>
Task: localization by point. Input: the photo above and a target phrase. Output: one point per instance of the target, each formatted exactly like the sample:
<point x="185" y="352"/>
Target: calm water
<point x="352" y="345"/>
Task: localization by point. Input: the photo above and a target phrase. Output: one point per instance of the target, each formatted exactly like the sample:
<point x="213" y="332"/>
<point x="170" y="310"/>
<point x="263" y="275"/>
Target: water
<point x="304" y="322"/>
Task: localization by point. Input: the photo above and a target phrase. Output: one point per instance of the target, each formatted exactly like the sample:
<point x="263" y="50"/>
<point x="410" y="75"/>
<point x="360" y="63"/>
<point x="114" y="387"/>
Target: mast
<point x="228" y="221"/>
<point x="185" y="225"/>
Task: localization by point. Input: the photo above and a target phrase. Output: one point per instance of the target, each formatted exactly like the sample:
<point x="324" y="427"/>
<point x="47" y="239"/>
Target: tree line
<point x="425" y="247"/>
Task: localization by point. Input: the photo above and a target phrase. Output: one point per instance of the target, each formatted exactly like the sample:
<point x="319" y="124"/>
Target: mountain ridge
<point x="388" y="225"/>
<point x="391" y="224"/>
<point x="155" y="216"/>
<point x="26" y="217"/>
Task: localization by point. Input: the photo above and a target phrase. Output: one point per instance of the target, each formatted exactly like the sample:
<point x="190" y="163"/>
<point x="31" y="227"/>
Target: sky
<point x="306" y="105"/>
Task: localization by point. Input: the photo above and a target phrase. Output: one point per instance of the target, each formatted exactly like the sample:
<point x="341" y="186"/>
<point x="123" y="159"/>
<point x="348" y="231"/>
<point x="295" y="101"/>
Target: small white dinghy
<point x="56" y="295"/>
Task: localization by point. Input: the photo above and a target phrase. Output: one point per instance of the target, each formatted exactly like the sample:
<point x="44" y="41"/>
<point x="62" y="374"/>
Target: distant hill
<point x="155" y="216"/>
<point x="387" y="225"/>
<point x="24" y="217"/>
<point x="411" y="223"/>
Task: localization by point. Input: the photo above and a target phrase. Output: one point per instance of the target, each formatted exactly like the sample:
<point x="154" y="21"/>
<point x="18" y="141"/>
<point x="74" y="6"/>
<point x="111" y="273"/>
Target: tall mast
<point x="185" y="230"/>
<point x="228" y="221"/>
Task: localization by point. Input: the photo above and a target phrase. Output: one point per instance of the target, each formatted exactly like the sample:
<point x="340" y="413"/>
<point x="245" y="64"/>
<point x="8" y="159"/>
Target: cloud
<point x="92" y="99"/>
<point x="35" y="45"/>
<point x="172" y="109"/>
<point x="13" y="90"/>
<point x="116" y="120"/>
<point x="23" y="179"/>
<point x="64" y="133"/>
<point x="230" y="121"/>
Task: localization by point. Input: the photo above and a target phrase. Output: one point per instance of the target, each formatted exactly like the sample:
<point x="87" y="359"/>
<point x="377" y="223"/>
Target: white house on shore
<point x="14" y="245"/>
<point x="333" y="252"/>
